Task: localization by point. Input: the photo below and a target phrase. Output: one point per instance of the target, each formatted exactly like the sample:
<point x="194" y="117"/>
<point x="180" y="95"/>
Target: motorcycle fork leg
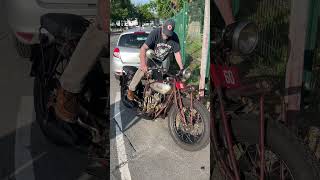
<point x="228" y="137"/>
<point x="179" y="104"/>
<point x="262" y="138"/>
<point x="191" y="108"/>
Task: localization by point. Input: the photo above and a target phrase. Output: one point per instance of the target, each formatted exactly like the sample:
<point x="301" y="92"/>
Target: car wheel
<point x="23" y="50"/>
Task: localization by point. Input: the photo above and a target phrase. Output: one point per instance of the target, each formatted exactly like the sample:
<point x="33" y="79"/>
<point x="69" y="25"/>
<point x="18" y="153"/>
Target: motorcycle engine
<point x="152" y="101"/>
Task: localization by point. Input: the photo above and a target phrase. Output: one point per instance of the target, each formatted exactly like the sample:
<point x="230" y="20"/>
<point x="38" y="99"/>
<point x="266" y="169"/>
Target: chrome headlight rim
<point x="241" y="25"/>
<point x="186" y="74"/>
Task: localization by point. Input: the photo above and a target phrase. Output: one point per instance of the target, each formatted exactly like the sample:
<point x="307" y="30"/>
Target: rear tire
<point x="57" y="131"/>
<point x="124" y="86"/>
<point x="23" y="50"/>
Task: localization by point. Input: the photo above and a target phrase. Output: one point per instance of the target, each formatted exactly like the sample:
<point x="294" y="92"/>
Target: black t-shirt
<point x="161" y="47"/>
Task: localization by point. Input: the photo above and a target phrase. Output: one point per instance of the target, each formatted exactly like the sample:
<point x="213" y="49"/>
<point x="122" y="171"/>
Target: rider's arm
<point x="225" y="9"/>
<point x="178" y="57"/>
<point x="143" y="51"/>
<point x="176" y="50"/>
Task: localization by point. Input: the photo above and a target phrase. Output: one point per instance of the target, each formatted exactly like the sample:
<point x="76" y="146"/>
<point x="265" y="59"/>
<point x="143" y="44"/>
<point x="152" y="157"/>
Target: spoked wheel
<point x="286" y="157"/>
<point x="192" y="136"/>
<point x="250" y="168"/>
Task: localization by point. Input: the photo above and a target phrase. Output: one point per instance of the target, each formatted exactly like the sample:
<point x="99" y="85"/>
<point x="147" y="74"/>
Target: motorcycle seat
<point x="62" y="25"/>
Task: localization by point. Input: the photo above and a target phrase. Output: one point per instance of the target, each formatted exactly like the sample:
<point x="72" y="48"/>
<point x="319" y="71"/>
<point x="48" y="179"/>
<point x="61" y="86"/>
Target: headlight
<point x="241" y="36"/>
<point x="186" y="74"/>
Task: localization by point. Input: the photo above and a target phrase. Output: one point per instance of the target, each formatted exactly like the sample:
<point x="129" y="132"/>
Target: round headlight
<point x="186" y="74"/>
<point x="242" y="36"/>
<point x="246" y="38"/>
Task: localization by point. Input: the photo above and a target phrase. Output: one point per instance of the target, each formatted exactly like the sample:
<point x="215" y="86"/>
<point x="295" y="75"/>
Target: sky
<point x="139" y="1"/>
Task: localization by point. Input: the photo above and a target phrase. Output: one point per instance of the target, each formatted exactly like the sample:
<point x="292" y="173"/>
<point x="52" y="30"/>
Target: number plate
<point x="228" y="76"/>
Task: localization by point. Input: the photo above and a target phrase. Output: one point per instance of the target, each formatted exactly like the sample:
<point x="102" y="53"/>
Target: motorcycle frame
<point x="233" y="173"/>
<point x="176" y="94"/>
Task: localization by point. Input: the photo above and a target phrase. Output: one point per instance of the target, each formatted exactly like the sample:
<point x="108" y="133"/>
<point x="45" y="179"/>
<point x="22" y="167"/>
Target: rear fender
<point x="128" y="72"/>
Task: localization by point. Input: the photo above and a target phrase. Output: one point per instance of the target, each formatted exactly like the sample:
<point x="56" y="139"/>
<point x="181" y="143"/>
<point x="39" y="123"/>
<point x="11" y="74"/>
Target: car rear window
<point x="133" y="40"/>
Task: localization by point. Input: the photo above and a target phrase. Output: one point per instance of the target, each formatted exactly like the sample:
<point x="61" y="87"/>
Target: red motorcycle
<point x="247" y="145"/>
<point x="161" y="94"/>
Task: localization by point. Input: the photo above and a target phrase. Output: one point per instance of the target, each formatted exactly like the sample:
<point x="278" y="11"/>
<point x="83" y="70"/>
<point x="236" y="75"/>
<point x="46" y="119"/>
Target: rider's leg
<point x="82" y="60"/>
<point x="134" y="82"/>
<point x="166" y="62"/>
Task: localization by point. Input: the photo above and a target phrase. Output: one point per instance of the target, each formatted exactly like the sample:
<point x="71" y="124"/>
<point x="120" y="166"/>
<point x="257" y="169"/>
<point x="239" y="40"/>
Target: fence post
<point x="184" y="31"/>
<point x="205" y="47"/>
<point x="297" y="39"/>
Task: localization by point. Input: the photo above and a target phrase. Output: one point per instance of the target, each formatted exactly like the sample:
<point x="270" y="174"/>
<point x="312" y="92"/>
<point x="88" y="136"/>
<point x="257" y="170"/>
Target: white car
<point x="24" y="17"/>
<point x="127" y="50"/>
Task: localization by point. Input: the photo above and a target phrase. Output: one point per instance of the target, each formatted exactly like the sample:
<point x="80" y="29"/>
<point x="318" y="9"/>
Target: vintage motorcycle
<point x="59" y="35"/>
<point x="161" y="94"/>
<point x="247" y="145"/>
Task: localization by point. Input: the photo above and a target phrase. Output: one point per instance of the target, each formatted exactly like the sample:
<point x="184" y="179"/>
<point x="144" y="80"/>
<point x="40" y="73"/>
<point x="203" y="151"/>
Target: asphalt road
<point x="144" y="150"/>
<point x="25" y="154"/>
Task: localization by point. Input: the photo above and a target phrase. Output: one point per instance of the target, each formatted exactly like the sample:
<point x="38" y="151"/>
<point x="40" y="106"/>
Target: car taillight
<point x="116" y="52"/>
<point x="26" y="36"/>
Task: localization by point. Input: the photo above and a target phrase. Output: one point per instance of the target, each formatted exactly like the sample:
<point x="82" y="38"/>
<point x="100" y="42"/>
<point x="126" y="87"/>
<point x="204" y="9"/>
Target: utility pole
<point x="205" y="47"/>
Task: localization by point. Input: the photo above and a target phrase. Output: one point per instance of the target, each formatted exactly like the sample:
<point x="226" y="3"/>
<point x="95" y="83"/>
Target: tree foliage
<point x="168" y="8"/>
<point x="144" y="13"/>
<point x="121" y="10"/>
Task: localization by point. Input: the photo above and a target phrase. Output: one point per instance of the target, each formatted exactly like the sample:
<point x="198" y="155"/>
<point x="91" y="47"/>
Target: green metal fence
<point x="189" y="27"/>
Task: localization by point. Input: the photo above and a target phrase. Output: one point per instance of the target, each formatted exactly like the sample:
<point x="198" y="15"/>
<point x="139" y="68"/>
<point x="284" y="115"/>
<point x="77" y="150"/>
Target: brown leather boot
<point x="130" y="95"/>
<point x="67" y="105"/>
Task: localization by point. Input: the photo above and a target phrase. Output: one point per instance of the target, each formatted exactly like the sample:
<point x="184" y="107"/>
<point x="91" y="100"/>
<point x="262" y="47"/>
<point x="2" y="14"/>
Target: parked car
<point x="24" y="18"/>
<point x="126" y="52"/>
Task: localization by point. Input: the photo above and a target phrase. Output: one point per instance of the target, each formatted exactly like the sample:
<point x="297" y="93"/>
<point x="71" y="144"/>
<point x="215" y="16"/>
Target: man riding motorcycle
<point x="163" y="41"/>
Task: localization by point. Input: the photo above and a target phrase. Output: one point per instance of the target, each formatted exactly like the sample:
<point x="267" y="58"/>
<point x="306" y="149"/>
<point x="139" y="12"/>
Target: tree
<point x="121" y="10"/>
<point x="144" y="13"/>
<point x="168" y="8"/>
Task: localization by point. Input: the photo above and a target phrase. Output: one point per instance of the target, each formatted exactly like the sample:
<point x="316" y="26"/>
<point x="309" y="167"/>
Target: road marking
<point x="120" y="144"/>
<point x="22" y="156"/>
<point x="30" y="173"/>
<point x="118" y="113"/>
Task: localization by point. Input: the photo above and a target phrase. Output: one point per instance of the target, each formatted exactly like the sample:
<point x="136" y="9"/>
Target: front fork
<point x="232" y="159"/>
<point x="262" y="138"/>
<point x="180" y="107"/>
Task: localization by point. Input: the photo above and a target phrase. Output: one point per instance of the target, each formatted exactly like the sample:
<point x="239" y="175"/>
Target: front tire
<point x="203" y="140"/>
<point x="280" y="143"/>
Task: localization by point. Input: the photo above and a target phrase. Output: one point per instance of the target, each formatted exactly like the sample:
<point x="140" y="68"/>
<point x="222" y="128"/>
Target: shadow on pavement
<point x="121" y="114"/>
<point x="48" y="161"/>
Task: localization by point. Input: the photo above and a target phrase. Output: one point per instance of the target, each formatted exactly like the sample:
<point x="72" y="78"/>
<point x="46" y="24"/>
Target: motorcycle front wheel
<point x="191" y="136"/>
<point x="286" y="157"/>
